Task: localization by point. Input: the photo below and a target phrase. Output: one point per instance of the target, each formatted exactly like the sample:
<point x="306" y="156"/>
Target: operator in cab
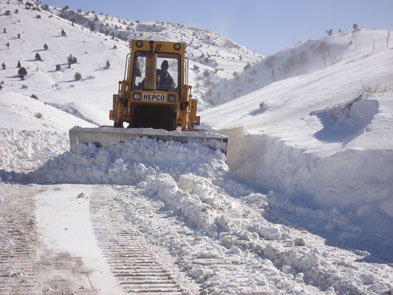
<point x="166" y="81"/>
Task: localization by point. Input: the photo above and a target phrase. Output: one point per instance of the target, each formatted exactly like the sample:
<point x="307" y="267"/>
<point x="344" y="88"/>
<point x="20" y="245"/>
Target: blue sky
<point x="263" y="26"/>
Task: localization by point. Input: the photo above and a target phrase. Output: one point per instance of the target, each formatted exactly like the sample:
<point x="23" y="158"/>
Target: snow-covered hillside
<point x="303" y="58"/>
<point x="26" y="29"/>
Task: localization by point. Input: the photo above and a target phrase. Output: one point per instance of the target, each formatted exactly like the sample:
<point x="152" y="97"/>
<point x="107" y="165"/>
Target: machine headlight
<point x="177" y="46"/>
<point x="139" y="43"/>
<point x="137" y="96"/>
<point x="171" y="98"/>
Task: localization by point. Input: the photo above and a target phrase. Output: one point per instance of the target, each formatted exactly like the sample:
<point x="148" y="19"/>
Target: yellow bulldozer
<point x="153" y="100"/>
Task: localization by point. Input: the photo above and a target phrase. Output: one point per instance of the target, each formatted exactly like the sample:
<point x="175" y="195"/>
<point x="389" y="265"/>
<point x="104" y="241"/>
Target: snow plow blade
<point x="106" y="136"/>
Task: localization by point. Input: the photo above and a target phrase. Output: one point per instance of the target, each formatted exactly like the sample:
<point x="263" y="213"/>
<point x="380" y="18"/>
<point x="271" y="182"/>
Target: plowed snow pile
<point x="128" y="163"/>
<point x="193" y="183"/>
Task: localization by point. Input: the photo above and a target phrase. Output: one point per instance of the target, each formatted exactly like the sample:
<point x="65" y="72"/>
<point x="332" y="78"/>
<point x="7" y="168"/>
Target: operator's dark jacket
<point x="166" y="81"/>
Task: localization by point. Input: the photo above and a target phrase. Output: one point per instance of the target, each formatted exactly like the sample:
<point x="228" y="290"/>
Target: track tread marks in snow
<point x="18" y="246"/>
<point x="132" y="263"/>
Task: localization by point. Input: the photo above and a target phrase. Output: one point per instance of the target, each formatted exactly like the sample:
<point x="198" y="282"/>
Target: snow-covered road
<point x="181" y="208"/>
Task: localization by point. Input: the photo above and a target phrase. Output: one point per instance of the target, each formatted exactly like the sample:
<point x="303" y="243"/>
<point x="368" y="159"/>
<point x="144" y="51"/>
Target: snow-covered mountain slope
<point x="20" y="112"/>
<point x="26" y="29"/>
<point x="303" y="58"/>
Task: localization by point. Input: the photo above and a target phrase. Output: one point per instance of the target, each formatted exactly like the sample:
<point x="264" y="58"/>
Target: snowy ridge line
<point x="301" y="59"/>
<point x="348" y="182"/>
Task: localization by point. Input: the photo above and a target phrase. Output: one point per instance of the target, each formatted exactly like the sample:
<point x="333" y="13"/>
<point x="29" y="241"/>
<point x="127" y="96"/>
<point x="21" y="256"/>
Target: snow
<point x="323" y="139"/>
<point x="71" y="231"/>
<point x="301" y="204"/>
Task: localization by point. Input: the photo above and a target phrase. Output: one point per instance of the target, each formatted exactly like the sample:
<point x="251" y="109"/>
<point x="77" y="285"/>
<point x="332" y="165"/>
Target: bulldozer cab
<point x="167" y="72"/>
<point x="154" y="92"/>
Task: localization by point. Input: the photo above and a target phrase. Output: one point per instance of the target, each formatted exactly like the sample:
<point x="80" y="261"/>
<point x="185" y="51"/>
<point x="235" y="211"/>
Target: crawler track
<point x="17" y="245"/>
<point x="135" y="266"/>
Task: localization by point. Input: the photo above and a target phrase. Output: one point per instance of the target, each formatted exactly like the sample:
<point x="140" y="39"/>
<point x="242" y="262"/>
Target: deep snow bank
<point x="357" y="183"/>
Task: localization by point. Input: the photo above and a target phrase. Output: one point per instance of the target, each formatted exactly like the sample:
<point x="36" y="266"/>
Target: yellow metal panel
<point x="158" y="46"/>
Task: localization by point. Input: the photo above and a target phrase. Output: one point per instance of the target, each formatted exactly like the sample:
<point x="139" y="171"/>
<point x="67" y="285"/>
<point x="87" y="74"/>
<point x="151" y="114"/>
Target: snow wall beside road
<point x="356" y="183"/>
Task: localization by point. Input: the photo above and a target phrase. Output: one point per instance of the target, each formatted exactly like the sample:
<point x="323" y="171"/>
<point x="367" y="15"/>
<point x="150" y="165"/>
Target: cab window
<point x="168" y="72"/>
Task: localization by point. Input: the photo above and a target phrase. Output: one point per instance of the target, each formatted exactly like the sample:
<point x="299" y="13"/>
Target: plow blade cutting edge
<point x="106" y="136"/>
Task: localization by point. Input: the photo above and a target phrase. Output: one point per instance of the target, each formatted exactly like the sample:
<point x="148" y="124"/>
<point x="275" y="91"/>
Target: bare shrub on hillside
<point x="368" y="89"/>
<point x="77" y="76"/>
<point x="71" y="60"/>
